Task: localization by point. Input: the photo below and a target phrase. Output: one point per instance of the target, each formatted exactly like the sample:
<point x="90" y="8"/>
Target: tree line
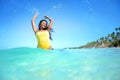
<point x="111" y="40"/>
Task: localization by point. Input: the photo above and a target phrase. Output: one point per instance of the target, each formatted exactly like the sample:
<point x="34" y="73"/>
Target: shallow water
<point x="60" y="64"/>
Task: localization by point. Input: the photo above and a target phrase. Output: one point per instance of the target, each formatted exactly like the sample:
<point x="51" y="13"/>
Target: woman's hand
<point x="35" y="16"/>
<point x="46" y="17"/>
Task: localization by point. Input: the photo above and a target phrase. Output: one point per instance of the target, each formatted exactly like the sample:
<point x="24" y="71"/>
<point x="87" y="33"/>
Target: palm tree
<point x="118" y="35"/>
<point x="113" y="36"/>
<point x="119" y="28"/>
<point x="116" y="29"/>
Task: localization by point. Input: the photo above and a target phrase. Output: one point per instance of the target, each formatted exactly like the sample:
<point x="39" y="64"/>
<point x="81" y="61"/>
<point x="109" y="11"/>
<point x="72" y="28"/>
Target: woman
<point x="43" y="32"/>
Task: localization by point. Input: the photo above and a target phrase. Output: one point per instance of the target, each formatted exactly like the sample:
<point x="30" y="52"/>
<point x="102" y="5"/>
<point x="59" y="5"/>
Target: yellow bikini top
<point x="43" y="39"/>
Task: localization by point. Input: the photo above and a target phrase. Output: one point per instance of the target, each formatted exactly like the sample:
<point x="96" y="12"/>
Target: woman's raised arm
<point x="33" y="23"/>
<point x="51" y="22"/>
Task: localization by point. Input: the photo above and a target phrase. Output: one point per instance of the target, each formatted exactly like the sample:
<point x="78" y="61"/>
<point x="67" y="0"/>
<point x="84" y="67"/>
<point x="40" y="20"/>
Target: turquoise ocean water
<point x="60" y="64"/>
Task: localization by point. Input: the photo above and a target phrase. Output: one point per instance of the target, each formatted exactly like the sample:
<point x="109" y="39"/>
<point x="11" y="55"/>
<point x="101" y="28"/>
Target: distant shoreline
<point x="81" y="47"/>
<point x="111" y="40"/>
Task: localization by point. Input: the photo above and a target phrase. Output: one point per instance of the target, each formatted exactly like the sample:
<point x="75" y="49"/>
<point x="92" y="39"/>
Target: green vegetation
<point x="111" y="40"/>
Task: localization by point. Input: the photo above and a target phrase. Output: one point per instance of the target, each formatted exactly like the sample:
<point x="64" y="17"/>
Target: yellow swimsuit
<point x="43" y="39"/>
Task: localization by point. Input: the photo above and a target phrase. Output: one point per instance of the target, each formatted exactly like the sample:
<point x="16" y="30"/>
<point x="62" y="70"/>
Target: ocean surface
<point x="60" y="64"/>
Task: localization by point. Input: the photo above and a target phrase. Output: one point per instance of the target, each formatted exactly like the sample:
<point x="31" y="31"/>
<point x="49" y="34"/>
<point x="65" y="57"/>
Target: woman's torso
<point x="43" y="39"/>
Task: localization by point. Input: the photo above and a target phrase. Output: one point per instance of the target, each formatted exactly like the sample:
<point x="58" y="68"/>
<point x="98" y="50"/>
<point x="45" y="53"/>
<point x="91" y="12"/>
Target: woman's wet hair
<point x="39" y="25"/>
<point x="51" y="30"/>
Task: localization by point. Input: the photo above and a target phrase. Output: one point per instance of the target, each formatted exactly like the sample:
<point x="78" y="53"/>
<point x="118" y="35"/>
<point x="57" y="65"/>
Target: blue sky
<point x="76" y="22"/>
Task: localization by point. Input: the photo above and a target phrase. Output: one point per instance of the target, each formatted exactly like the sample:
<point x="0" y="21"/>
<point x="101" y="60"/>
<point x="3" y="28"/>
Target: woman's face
<point x="43" y="24"/>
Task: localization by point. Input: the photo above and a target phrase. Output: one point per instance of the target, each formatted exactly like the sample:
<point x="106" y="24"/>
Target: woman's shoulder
<point x="38" y="31"/>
